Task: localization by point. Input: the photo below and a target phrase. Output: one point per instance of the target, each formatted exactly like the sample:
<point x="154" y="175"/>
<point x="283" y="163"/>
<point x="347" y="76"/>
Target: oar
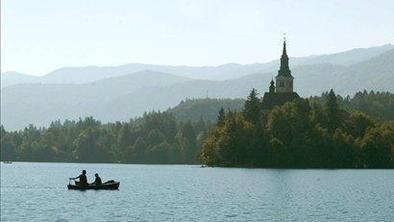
<point x="69" y="180"/>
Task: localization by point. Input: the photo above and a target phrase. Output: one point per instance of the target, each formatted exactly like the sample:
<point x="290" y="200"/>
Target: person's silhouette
<point x="83" y="181"/>
<point x="97" y="181"/>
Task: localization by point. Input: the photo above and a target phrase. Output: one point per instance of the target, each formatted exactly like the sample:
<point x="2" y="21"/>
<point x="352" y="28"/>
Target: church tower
<point x="284" y="79"/>
<point x="280" y="91"/>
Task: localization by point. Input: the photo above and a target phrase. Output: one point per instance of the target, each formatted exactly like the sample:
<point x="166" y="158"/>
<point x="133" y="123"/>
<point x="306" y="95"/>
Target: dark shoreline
<point x="205" y="166"/>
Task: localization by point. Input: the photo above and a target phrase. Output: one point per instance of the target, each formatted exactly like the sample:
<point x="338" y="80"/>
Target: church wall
<point x="284" y="84"/>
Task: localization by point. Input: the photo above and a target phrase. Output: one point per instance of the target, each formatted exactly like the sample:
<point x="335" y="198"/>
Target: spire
<point x="284" y="53"/>
<point x="284" y="61"/>
<point x="272" y="86"/>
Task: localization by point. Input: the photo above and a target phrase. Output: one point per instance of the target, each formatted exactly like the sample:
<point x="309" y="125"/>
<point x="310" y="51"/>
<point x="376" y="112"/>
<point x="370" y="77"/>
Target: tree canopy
<point x="154" y="138"/>
<point x="300" y="134"/>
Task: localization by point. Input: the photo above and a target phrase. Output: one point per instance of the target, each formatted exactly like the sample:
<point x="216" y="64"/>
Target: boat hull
<point x="104" y="186"/>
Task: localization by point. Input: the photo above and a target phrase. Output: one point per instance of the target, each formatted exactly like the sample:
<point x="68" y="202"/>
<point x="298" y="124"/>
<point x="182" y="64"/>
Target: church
<point x="280" y="91"/>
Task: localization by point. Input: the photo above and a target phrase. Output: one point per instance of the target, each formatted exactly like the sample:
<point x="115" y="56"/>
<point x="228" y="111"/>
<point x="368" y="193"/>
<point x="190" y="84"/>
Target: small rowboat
<point x="109" y="185"/>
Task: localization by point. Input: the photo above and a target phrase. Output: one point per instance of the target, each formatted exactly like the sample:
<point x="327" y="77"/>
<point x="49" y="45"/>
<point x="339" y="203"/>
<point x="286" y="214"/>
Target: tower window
<point x="281" y="84"/>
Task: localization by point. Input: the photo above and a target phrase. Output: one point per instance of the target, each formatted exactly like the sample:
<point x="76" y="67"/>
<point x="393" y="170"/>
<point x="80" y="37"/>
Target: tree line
<point x="154" y="138"/>
<point x="328" y="132"/>
<point x="378" y="105"/>
<point x="305" y="133"/>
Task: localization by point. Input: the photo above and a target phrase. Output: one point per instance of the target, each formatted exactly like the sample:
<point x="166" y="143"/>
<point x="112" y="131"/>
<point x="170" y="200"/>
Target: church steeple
<point x="284" y="79"/>
<point x="284" y="69"/>
<point x="284" y="53"/>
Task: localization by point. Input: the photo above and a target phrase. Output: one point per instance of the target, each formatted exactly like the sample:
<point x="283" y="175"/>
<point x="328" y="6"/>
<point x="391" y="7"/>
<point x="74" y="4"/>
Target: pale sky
<point x="39" y="36"/>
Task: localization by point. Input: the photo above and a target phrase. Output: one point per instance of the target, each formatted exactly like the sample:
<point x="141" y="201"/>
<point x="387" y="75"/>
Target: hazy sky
<point x="42" y="35"/>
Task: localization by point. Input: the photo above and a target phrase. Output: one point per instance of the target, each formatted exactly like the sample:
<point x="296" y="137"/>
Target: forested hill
<point x="177" y="135"/>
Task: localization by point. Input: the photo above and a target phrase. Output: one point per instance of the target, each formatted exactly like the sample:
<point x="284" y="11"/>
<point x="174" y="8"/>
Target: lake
<point x="38" y="192"/>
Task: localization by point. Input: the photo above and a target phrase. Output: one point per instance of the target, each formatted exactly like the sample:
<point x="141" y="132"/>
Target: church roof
<point x="270" y="100"/>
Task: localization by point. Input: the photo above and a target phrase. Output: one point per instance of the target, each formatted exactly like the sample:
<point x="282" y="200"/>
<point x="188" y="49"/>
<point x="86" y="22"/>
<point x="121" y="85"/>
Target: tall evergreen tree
<point x="333" y="111"/>
<point x="252" y="107"/>
<point x="221" y="117"/>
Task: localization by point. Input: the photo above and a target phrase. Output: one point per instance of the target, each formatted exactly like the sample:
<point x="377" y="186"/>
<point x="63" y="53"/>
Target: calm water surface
<point x="38" y="192"/>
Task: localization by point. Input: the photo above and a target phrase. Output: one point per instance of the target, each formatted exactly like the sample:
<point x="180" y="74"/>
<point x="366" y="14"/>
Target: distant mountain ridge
<point x="79" y="75"/>
<point x="120" y="98"/>
<point x="14" y="78"/>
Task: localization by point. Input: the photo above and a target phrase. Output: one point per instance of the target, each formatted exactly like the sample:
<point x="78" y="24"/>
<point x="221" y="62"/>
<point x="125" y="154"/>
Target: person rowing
<point x="83" y="181"/>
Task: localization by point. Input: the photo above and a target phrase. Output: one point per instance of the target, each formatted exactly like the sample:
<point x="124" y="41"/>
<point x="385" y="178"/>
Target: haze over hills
<point x="122" y="97"/>
<point x="78" y="75"/>
<point x="14" y="78"/>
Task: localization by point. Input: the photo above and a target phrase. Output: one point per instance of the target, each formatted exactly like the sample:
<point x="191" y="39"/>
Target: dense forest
<point x="378" y="105"/>
<point x="154" y="138"/>
<point x="326" y="131"/>
<point x="300" y="134"/>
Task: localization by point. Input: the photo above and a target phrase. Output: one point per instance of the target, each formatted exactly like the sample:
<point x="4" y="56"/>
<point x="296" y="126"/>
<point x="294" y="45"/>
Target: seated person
<point x="83" y="181"/>
<point x="97" y="181"/>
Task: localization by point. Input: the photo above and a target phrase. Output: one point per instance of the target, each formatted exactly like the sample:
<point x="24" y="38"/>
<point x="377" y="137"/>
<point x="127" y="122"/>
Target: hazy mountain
<point x="87" y="74"/>
<point x="41" y="103"/>
<point x="13" y="78"/>
<point x="376" y="73"/>
<point x="349" y="57"/>
<point x="123" y="97"/>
